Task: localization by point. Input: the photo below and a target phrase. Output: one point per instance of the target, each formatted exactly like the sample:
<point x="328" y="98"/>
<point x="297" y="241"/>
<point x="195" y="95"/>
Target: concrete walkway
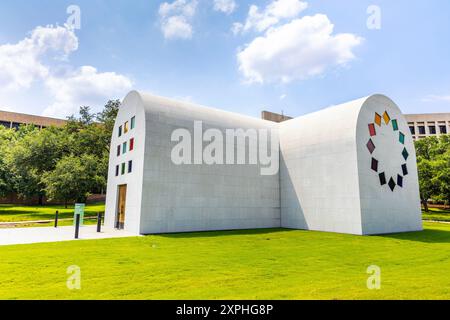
<point x="44" y="234"/>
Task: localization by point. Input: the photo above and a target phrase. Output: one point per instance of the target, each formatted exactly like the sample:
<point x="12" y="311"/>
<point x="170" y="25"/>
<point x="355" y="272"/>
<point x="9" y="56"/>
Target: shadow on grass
<point x="208" y="234"/>
<point x="426" y="236"/>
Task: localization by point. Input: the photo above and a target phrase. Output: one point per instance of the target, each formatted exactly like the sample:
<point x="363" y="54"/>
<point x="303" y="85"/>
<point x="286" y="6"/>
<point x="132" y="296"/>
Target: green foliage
<point x="61" y="163"/>
<point x="74" y="177"/>
<point x="433" y="164"/>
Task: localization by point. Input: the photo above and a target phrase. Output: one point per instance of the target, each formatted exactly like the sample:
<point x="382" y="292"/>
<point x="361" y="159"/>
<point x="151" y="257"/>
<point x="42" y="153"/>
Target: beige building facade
<point x="13" y="120"/>
<point x="428" y="124"/>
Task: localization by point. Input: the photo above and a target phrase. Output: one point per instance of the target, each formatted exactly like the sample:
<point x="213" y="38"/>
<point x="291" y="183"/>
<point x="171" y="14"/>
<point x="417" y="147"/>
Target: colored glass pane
<point x="370" y="146"/>
<point x="401" y="138"/>
<point x="386" y="117"/>
<point x="382" y="177"/>
<point x="394" y="125"/>
<point x="374" y="165"/>
<point x="377" y="119"/>
<point x="372" y="130"/>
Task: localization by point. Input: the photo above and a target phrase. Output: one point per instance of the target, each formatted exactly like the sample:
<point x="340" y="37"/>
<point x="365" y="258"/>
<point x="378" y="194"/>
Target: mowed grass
<point x="436" y="214"/>
<point x="253" y="264"/>
<point x="14" y="213"/>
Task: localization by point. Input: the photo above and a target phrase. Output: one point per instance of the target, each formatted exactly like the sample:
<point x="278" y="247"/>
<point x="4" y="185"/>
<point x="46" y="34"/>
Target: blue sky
<point x="272" y="62"/>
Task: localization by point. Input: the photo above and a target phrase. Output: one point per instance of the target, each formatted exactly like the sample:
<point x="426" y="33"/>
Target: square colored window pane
<point x="370" y="146"/>
<point x="118" y="150"/>
<point x="391" y="184"/>
<point x="125" y="127"/>
<point x="377" y="119"/>
<point x="133" y="123"/>
<point x="117" y="170"/>
<point x="395" y="125"/>
<point x="404" y="169"/>
<point x="400" y="181"/>
<point x="405" y="154"/>
<point x="120" y="131"/>
<point x="130" y="166"/>
<point x="374" y="165"/>
<point x="124" y="147"/>
<point x="131" y="144"/>
<point x="401" y="138"/>
<point x="372" y="130"/>
<point x="386" y="117"/>
<point x="382" y="177"/>
<point x="123" y="168"/>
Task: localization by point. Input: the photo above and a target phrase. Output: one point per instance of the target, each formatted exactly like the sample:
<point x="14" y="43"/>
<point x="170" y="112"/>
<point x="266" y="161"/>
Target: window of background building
<point x="421" y="130"/>
<point x="117" y="170"/>
<point x="120" y="131"/>
<point x="124" y="148"/>
<point x="125" y="127"/>
<point x="123" y="168"/>
<point x="131" y="144"/>
<point x="5" y="124"/>
<point x="412" y="129"/>
<point x="130" y="166"/>
<point x="432" y="129"/>
<point x="133" y="123"/>
<point x="443" y="129"/>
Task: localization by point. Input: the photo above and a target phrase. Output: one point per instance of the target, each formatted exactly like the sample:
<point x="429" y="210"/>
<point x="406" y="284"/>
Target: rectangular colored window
<point x="378" y="119"/>
<point x="123" y="168"/>
<point x="401" y="138"/>
<point x="133" y="123"/>
<point x="117" y="170"/>
<point x="124" y="148"/>
<point x="131" y="144"/>
<point x="395" y="125"/>
<point x="125" y="127"/>
<point x="372" y="130"/>
<point x="130" y="166"/>
<point x="118" y="150"/>
<point x="120" y="131"/>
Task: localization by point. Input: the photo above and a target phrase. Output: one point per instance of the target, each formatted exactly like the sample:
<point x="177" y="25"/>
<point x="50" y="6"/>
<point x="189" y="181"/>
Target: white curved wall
<point x="318" y="171"/>
<point x="384" y="210"/>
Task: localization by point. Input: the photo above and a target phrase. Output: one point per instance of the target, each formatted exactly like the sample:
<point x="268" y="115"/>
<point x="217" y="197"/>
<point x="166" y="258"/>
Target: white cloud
<point x="21" y="63"/>
<point x="225" y="6"/>
<point x="84" y="86"/>
<point x="176" y="18"/>
<point x="274" y="13"/>
<point x="41" y="61"/>
<point x="434" y="98"/>
<point x="300" y="49"/>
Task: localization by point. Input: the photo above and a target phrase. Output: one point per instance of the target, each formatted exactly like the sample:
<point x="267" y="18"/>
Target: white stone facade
<point x="326" y="180"/>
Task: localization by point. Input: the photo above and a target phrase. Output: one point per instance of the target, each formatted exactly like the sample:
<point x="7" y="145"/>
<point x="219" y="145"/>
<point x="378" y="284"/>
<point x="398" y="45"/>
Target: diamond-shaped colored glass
<point x="382" y="177"/>
<point x="405" y="154"/>
<point x="394" y="125"/>
<point x="386" y="117"/>
<point x="400" y="181"/>
<point x="372" y="130"/>
<point x="391" y="184"/>
<point x="374" y="165"/>
<point x="404" y="169"/>
<point x="377" y="119"/>
<point x="401" y="138"/>
<point x="370" y="146"/>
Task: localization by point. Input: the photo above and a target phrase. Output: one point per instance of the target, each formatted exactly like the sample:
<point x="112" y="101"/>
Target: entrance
<point x="120" y="219"/>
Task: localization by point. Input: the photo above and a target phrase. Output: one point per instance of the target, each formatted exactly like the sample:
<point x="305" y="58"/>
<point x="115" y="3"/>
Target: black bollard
<point x="56" y="219"/>
<point x="77" y="226"/>
<point x="99" y="222"/>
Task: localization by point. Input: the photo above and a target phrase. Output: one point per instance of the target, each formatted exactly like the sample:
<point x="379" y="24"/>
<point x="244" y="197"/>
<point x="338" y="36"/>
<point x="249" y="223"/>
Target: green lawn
<point x="255" y="264"/>
<point x="436" y="214"/>
<point x="14" y="213"/>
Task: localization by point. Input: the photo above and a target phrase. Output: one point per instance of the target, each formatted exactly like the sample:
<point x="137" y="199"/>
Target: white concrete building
<point x="349" y="168"/>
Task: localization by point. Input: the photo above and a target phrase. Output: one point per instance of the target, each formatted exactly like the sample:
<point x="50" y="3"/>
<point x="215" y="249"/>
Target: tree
<point x="73" y="178"/>
<point x="34" y="154"/>
<point x="7" y="139"/>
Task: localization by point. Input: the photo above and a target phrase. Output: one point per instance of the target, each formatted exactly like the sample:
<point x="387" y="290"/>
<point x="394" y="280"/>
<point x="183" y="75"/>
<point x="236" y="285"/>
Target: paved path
<point x="44" y="234"/>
